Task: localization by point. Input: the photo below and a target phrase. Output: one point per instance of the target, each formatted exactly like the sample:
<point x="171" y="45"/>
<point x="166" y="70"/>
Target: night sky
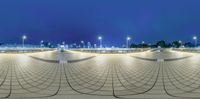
<point x="76" y="20"/>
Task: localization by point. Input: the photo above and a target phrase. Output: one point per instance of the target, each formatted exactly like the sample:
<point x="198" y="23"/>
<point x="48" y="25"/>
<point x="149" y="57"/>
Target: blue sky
<point x="75" y="20"/>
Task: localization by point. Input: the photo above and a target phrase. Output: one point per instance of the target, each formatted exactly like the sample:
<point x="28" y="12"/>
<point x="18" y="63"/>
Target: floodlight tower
<point x="100" y="40"/>
<point x="24" y="37"/>
<point x="82" y="42"/>
<point x="41" y="43"/>
<point x="127" y="41"/>
<point x="180" y="42"/>
<point x="195" y="40"/>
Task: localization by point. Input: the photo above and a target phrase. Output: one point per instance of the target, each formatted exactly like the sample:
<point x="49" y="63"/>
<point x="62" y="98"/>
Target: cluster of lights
<point x="24" y="37"/>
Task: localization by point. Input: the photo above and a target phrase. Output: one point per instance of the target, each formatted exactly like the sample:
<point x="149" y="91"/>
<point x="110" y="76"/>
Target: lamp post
<point x="24" y="37"/>
<point x="41" y="43"/>
<point x="82" y="42"/>
<point x="49" y="44"/>
<point x="195" y="40"/>
<point x="100" y="40"/>
<point x="88" y="44"/>
<point x="127" y="42"/>
<point x="143" y="44"/>
<point x="180" y="42"/>
<point x="95" y="45"/>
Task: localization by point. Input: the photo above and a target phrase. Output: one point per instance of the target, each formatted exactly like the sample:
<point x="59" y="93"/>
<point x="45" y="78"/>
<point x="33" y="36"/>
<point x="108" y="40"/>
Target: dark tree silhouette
<point x="161" y="44"/>
<point x="176" y="44"/>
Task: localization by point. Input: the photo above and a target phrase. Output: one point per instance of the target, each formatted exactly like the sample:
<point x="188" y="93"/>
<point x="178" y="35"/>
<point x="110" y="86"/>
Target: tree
<point x="176" y="44"/>
<point x="139" y="45"/>
<point x="169" y="45"/>
<point x="46" y="44"/>
<point x="189" y="44"/>
<point x="161" y="44"/>
<point x="153" y="46"/>
<point x="145" y="45"/>
<point x="133" y="46"/>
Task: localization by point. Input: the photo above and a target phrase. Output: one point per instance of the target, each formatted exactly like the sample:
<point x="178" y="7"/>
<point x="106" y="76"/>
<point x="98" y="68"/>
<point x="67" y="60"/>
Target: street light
<point x="195" y="39"/>
<point x="127" y="41"/>
<point x="180" y="42"/>
<point x="89" y="44"/>
<point x="49" y="44"/>
<point x="100" y="39"/>
<point x="24" y="37"/>
<point x="83" y="43"/>
<point x="95" y="45"/>
<point x="143" y="42"/>
<point x="41" y="43"/>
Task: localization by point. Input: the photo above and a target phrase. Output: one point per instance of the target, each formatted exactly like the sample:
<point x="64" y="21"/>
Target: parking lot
<point x="75" y="75"/>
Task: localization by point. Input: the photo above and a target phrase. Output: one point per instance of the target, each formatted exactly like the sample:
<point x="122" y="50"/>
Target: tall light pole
<point x="127" y="41"/>
<point x="41" y="43"/>
<point x="24" y="37"/>
<point x="180" y="42"/>
<point x="89" y="44"/>
<point x="143" y="44"/>
<point x="83" y="43"/>
<point x="195" y="40"/>
<point x="49" y="44"/>
<point x="100" y="40"/>
<point x="95" y="45"/>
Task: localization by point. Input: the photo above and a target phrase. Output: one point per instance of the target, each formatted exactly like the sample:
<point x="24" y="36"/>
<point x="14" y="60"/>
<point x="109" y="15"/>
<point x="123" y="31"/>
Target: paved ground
<point x="145" y="75"/>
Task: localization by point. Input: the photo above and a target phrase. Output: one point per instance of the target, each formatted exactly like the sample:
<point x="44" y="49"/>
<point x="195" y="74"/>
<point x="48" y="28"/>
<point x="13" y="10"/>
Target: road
<point x="74" y="75"/>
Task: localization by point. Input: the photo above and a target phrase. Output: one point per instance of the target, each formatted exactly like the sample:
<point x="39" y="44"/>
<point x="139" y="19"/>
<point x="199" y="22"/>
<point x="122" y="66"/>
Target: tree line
<point x="163" y="44"/>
